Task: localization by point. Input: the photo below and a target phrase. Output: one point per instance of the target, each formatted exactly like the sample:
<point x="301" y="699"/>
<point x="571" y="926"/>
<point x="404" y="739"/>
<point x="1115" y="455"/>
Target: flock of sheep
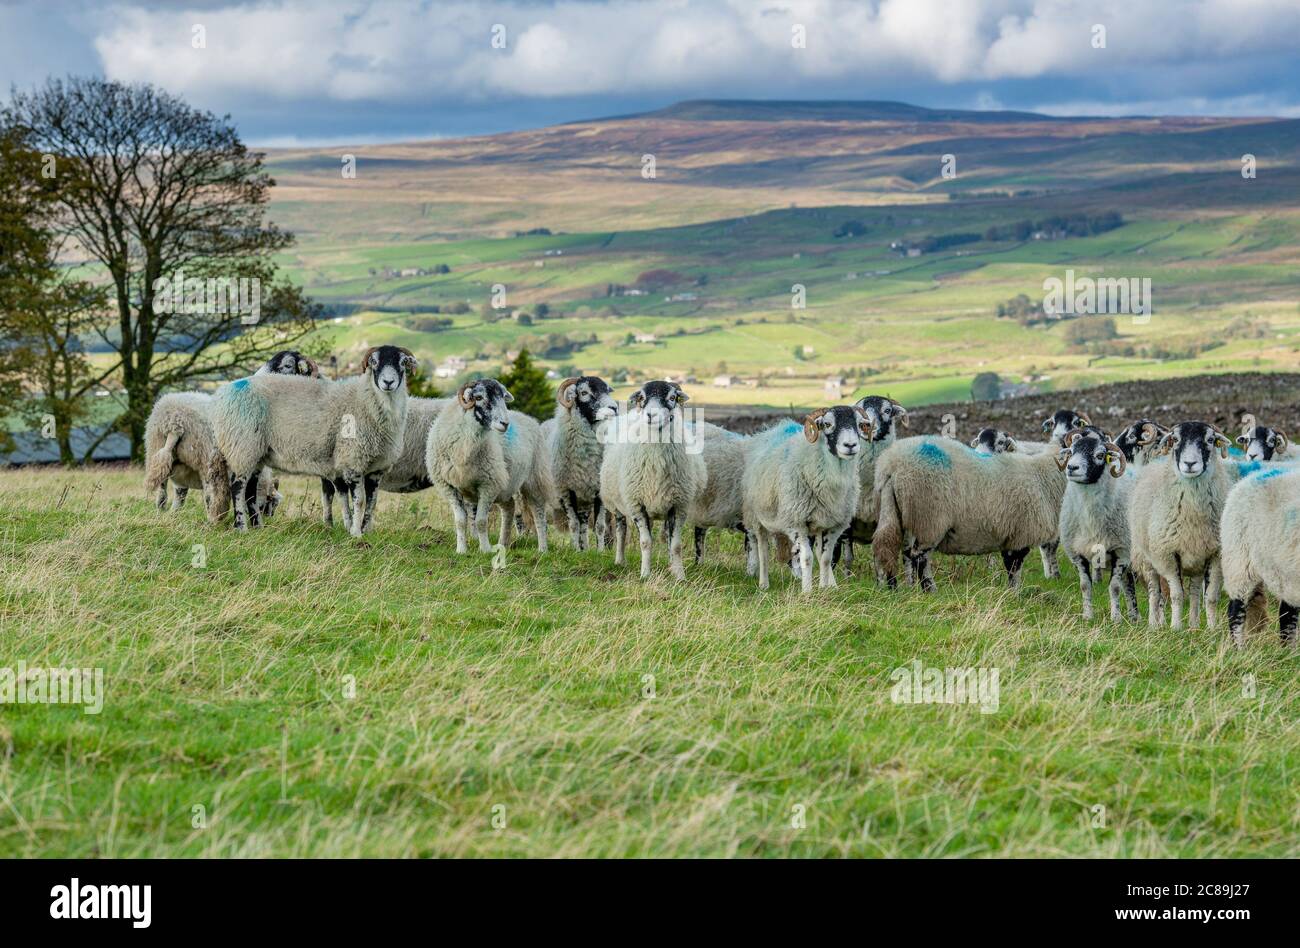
<point x="1155" y="504"/>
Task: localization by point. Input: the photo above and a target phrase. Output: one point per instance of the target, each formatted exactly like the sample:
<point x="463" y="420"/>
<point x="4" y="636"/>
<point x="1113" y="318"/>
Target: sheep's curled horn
<point x="1114" y="454"/>
<point x="460" y="396"/>
<point x="1281" y="444"/>
<point x="1150" y="433"/>
<point x="901" y="412"/>
<point x="365" y="359"/>
<point x="865" y="424"/>
<point x="1083" y="416"/>
<point x="564" y="394"/>
<point x="313" y="370"/>
<point x="810" y="429"/>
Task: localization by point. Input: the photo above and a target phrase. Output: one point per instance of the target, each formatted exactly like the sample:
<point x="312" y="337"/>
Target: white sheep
<point x="408" y="473"/>
<point x="649" y="472"/>
<point x="349" y="431"/>
<point x="1093" y="525"/>
<point x="1262" y="443"/>
<point x="1174" y="520"/>
<point x="938" y="494"/>
<point x="720" y="502"/>
<point x="1140" y="442"/>
<point x="885" y="415"/>
<point x="575" y="449"/>
<point x="480" y="454"/>
<point x="181" y="446"/>
<point x="803" y="483"/>
<point x="1259" y="552"/>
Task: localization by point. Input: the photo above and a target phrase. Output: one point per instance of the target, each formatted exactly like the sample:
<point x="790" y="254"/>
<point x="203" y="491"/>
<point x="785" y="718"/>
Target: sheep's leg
<point x="700" y="533"/>
<point x="1085" y="585"/>
<point x="760" y="555"/>
<point x="481" y="513"/>
<point x="569" y="504"/>
<point x="240" y="500"/>
<point x="371" y="485"/>
<point x="160" y="499"/>
<point x="1014" y="561"/>
<point x="751" y="553"/>
<point x="1286" y="622"/>
<point x="250" y="501"/>
<point x="1154" y="602"/>
<point x="345" y="498"/>
<point x="508" y="524"/>
<point x="1175" y="600"/>
<point x="620" y="539"/>
<point x="360" y="509"/>
<point x="845" y="547"/>
<point x="1257" y="612"/>
<point x="1130" y="591"/>
<point x="1195" y="586"/>
<point x="181" y="494"/>
<point x="602" y="518"/>
<point x="1051" y="569"/>
<point x="460" y="512"/>
<point x="826" y="562"/>
<point x="1237" y="621"/>
<point x="673" y="534"/>
<point x="644" y="527"/>
<point x="804" y="548"/>
<point x="541" y="526"/>
<point x="327" y="501"/>
<point x="1213" y="588"/>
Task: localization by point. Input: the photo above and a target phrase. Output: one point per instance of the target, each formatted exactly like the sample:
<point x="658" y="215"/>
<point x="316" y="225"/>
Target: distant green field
<point x="925" y="325"/>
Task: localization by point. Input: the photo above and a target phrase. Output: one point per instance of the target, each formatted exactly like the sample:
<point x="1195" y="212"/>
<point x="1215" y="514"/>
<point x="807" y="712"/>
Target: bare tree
<point x="157" y="192"/>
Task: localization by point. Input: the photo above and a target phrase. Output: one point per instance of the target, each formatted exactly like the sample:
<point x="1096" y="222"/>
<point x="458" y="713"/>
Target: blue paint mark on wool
<point x="511" y="434"/>
<point x="1247" y="468"/>
<point x="791" y="428"/>
<point x="933" y="454"/>
<point x="1267" y="474"/>
<point x="239" y="384"/>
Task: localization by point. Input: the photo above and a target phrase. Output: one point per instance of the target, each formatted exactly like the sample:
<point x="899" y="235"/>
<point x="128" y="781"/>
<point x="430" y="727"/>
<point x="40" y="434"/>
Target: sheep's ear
<point x="509" y="398"/>
<point x="1047" y="425"/>
<point x="1062" y="458"/>
<point x="1011" y="445"/>
<point x="682" y="396"/>
<point x="313" y="370"/>
<point x="365" y="359"/>
<point x="901" y="412"/>
<point x="865" y="424"/>
<point x="1222" y="443"/>
<point x="1082" y="421"/>
<point x="635" y="401"/>
<point x="1167" y="442"/>
<point x="409" y="362"/>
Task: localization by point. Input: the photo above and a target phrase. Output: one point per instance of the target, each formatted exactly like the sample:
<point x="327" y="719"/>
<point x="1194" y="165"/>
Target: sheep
<point x="649" y="472"/>
<point x="994" y="441"/>
<point x="350" y="431"/>
<point x="1262" y="443"/>
<point x="806" y="490"/>
<point x="720" y="502"/>
<point x="883" y="413"/>
<point x="1139" y="442"/>
<point x="935" y="493"/>
<point x="1093" y="525"/>
<point x="480" y="454"/>
<point x="574" y="449"/>
<point x="1174" y="520"/>
<point x="408" y="473"/>
<point x="1259" y="551"/>
<point x="180" y="446"/>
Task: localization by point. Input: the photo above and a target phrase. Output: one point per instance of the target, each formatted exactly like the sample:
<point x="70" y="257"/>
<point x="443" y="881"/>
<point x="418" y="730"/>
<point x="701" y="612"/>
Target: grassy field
<point x="315" y="695"/>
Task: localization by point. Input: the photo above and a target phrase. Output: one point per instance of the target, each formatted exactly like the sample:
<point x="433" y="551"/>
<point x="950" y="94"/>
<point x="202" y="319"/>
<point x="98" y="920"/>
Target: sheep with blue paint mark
<point x="804" y="484"/>
<point x="1260" y="520"/>
<point x="349" y="431"/>
<point x="480" y="454"/>
<point x="937" y="494"/>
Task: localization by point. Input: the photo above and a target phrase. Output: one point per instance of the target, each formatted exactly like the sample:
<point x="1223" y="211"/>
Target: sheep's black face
<point x="1141" y="434"/>
<point x="1261" y="443"/>
<point x="388" y="366"/>
<point x="489" y="401"/>
<point x="1062" y="422"/>
<point x="657" y="402"/>
<point x="839" y="429"/>
<point x="993" y="441"/>
<point x="291" y="362"/>
<point x="594" y="399"/>
<point x="1193" y="444"/>
<point x="883" y="412"/>
<point x="1086" y="458"/>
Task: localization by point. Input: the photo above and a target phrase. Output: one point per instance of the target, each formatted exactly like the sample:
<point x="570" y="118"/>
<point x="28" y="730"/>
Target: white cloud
<point x="406" y="51"/>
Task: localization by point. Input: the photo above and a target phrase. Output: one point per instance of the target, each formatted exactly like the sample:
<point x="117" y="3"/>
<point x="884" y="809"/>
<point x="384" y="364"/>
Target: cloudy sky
<point x="327" y="71"/>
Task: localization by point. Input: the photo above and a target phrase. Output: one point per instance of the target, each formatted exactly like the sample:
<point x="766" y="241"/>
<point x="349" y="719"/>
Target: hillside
<point x="751" y="200"/>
